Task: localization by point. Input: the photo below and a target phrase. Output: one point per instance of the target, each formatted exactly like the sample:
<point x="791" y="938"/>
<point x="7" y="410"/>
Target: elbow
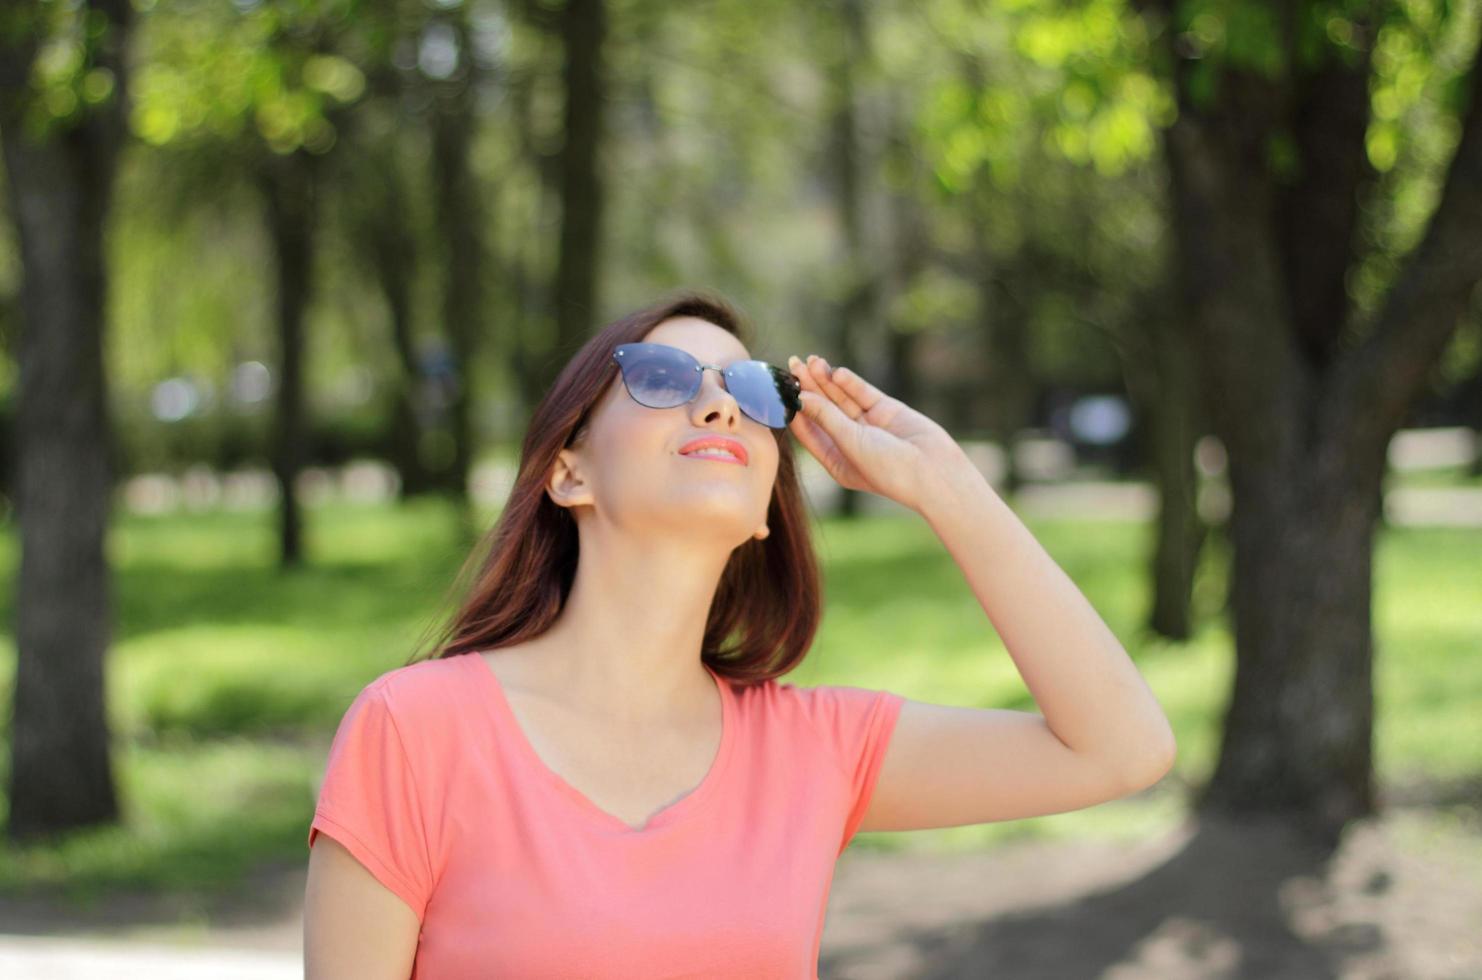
<point x="1155" y="763"/>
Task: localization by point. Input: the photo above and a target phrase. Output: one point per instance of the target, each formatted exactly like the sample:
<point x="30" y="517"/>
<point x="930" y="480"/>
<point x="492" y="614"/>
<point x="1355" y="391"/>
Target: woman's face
<point x="628" y="467"/>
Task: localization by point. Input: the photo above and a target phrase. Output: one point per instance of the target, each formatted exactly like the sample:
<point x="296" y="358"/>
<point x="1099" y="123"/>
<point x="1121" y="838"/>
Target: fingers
<point x="816" y="375"/>
<point x="823" y="413"/>
<point x="806" y="431"/>
<point x="818" y="442"/>
<point x="802" y="373"/>
<point x="822" y="424"/>
<point x="863" y="394"/>
<point x="826" y="383"/>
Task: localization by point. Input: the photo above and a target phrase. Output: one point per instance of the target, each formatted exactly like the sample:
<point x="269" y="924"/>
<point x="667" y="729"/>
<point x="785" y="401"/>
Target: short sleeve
<point x="369" y="800"/>
<point x="857" y="723"/>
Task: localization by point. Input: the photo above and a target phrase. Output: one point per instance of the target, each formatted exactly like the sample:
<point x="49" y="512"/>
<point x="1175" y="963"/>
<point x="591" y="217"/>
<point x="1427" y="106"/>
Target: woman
<point x="600" y="775"/>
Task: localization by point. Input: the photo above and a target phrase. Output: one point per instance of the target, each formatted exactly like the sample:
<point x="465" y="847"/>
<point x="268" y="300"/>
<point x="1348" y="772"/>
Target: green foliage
<point x="933" y="298"/>
<point x="1423" y="53"/>
<point x="65" y="80"/>
<point x="215" y="70"/>
<point x="1071" y="79"/>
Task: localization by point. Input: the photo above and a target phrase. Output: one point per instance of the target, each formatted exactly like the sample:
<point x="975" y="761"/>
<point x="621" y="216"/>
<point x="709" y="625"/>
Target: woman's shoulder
<point x="836" y="728"/>
<point x="421" y="692"/>
<point x="777" y="690"/>
<point x="820" y="706"/>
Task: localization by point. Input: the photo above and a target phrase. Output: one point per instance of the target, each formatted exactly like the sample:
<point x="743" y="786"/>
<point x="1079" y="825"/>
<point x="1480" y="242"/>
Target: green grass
<point x="227" y="677"/>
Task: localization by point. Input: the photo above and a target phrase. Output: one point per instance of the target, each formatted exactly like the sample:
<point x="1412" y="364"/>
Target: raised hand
<point x="867" y="440"/>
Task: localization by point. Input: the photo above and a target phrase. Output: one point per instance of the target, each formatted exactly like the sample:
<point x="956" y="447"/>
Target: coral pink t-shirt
<point x="513" y="872"/>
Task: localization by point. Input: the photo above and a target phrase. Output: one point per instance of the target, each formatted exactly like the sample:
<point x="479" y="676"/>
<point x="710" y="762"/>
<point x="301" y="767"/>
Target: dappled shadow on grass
<point x="1218" y="898"/>
<point x="1214" y="900"/>
<point x="1421" y="791"/>
<point x="226" y="874"/>
<point x="258" y="897"/>
<point x="207" y="829"/>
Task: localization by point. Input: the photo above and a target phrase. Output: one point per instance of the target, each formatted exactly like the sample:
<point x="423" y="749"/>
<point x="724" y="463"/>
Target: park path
<point x="36" y="958"/>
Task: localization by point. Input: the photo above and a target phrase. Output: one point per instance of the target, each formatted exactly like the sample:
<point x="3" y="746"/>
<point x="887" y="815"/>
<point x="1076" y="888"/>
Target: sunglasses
<point x="660" y="376"/>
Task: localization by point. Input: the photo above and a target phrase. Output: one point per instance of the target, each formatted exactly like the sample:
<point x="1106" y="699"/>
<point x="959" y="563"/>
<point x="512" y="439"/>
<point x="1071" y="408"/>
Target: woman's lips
<point x="713" y="459"/>
<point x="702" y="443"/>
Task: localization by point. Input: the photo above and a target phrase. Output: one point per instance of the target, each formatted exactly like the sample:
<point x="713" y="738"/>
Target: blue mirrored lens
<point x="754" y="387"/>
<point x="658" y="376"/>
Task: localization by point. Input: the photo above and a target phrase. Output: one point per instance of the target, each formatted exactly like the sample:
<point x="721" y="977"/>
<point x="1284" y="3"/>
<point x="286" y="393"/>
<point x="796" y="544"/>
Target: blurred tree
<point x="461" y="221"/>
<point x="290" y="193"/>
<point x="583" y="31"/>
<point x="1167" y="407"/>
<point x="1039" y="125"/>
<point x="850" y="160"/>
<point x="63" y="98"/>
<point x="910" y="254"/>
<point x="374" y="191"/>
<point x="581" y="26"/>
<point x="413" y="136"/>
<point x="260" y="90"/>
<point x="1313" y="335"/>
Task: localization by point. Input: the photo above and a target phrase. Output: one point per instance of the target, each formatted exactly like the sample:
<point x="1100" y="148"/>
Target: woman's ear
<point x="762" y="532"/>
<point x="566" y="487"/>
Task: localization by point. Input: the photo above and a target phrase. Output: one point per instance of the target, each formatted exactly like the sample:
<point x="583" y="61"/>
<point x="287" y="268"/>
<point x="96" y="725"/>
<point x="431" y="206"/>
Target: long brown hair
<point x="767" y="605"/>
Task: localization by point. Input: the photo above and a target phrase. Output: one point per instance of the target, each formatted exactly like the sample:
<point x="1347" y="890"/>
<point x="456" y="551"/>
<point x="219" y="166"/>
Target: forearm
<point x="1087" y="688"/>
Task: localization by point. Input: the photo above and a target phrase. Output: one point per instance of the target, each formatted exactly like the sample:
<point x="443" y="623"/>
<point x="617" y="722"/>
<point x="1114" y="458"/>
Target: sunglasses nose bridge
<point x="720" y="382"/>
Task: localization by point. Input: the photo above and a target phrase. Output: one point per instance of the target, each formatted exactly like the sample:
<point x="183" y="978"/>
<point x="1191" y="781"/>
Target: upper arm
<point x="947" y="766"/>
<point x="371" y="874"/>
<point x="354" y="926"/>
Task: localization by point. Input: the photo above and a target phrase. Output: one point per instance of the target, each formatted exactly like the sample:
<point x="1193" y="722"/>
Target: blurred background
<point x="1193" y="281"/>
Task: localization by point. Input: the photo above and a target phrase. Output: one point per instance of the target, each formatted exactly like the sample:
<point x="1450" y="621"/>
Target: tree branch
<point x="1384" y="374"/>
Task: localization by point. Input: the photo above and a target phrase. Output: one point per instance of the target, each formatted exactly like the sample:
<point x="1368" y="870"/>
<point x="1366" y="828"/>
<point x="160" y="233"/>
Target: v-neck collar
<point x="704" y="792"/>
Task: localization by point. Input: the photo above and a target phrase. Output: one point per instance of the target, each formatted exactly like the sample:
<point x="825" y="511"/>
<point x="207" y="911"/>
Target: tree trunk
<point x="1009" y="378"/>
<point x="1304" y="409"/>
<point x="60" y="188"/>
<point x="1471" y="408"/>
<point x="1158" y="369"/>
<point x="393" y="258"/>
<point x="910" y="250"/>
<point x="371" y="178"/>
<point x="288" y="185"/>
<point x="528" y="329"/>
<point x="1171" y="418"/>
<point x="1298" y="730"/>
<point x="857" y="310"/>
<point x="583" y="29"/>
<point x="460" y="220"/>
